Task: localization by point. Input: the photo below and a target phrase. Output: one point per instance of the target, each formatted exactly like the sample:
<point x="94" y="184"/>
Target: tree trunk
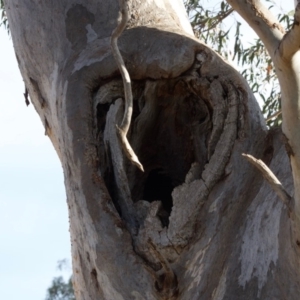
<point x="200" y="222"/>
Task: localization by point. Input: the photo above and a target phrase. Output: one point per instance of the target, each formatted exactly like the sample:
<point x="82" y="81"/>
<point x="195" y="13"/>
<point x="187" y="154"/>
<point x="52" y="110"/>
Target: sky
<point x="33" y="212"/>
<point x="34" y="227"/>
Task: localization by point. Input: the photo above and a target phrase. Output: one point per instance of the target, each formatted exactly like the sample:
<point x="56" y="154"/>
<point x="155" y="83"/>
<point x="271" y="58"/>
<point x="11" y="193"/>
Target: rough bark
<point x="200" y="222"/>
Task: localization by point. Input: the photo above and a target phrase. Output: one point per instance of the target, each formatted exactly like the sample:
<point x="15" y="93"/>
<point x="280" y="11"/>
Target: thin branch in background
<point x="219" y="18"/>
<point x="273" y="116"/>
<point x="252" y="60"/>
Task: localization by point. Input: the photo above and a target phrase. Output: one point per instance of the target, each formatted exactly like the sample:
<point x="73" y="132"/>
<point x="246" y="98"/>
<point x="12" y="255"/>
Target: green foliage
<point x="3" y="17"/>
<point x="207" y="23"/>
<point x="60" y="290"/>
<point x="213" y="26"/>
<point x="220" y="29"/>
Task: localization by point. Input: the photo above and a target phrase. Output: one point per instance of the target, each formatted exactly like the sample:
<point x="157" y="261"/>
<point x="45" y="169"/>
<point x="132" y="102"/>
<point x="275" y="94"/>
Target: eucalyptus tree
<point x="200" y="222"/>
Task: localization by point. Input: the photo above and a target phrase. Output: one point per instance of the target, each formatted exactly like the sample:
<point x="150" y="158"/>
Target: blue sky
<point x="33" y="212"/>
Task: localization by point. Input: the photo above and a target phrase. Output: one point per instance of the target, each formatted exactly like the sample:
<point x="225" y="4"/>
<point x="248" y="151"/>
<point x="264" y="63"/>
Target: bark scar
<point x="288" y="147"/>
<point x="167" y="284"/>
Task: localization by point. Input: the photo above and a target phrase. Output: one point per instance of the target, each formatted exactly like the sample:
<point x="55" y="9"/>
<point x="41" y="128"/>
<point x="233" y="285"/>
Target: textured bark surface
<point x="283" y="48"/>
<point x="200" y="222"/>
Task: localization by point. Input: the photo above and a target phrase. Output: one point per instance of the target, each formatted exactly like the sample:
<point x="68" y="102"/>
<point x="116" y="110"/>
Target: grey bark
<point x="223" y="233"/>
<point x="283" y="48"/>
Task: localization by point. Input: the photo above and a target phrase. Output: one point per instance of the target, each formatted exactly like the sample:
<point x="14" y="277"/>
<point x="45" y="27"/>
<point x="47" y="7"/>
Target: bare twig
<point x="218" y="19"/>
<point x="274" y="115"/>
<point x="272" y="180"/>
<point x="124" y="127"/>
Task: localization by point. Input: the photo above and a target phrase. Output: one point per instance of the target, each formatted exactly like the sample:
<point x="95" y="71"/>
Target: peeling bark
<point x="200" y="222"/>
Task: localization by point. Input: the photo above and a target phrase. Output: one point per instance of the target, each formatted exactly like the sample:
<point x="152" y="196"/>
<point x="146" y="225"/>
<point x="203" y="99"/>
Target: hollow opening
<point x="169" y="132"/>
<point x="102" y="110"/>
<point x="158" y="186"/>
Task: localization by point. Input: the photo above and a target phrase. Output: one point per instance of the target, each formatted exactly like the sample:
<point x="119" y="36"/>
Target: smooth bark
<point x="283" y="48"/>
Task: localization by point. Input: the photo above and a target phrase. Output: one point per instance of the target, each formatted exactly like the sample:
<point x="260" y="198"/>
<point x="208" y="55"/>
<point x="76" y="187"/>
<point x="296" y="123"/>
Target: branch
<point x="272" y="180"/>
<point x="276" y="114"/>
<point x="124" y="127"/>
<point x="217" y="20"/>
<point x="290" y="43"/>
<point x="261" y="20"/>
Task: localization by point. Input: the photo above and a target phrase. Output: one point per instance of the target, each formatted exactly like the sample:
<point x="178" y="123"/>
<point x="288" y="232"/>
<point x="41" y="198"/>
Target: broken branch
<point x="122" y="130"/>
<point x="272" y="180"/>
